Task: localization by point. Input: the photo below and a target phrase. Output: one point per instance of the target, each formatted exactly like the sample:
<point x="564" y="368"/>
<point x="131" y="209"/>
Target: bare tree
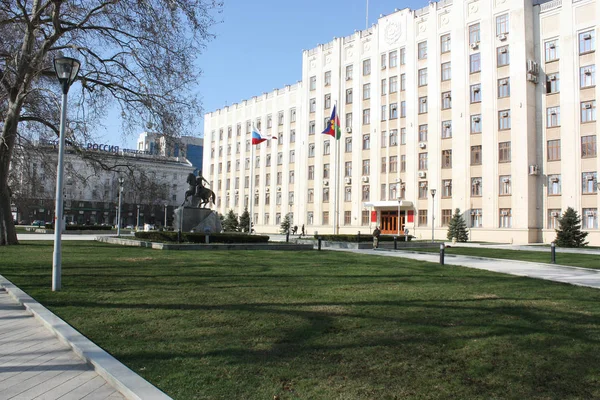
<point x="138" y="54"/>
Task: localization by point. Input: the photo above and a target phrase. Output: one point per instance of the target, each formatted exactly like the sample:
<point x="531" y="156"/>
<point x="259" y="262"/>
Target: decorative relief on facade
<point x="473" y="8"/>
<point x="500" y="2"/>
<point x="444" y="19"/>
<point x="349" y="52"/>
<point x="313" y="63"/>
<point x="327" y="58"/>
<point x="366" y="46"/>
<point x="392" y="33"/>
<point x="422" y="27"/>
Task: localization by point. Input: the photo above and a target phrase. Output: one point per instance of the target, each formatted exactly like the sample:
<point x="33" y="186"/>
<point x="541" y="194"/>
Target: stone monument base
<point x="201" y="220"/>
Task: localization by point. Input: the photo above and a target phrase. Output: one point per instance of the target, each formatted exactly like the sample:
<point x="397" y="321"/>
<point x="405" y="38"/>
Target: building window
<point x="422" y="217"/>
<point x="446" y="158"/>
<point x="393" y="84"/>
<point x="475" y="63"/>
<point x="402" y="136"/>
<point x="474" y="34"/>
<point x="364" y="217"/>
<point x="349" y="70"/>
<point x="393" y="58"/>
<point x="422" y="50"/>
<point x="383" y="60"/>
<point x="505" y="185"/>
<point x="313" y="106"/>
<point x="348" y="96"/>
<point x="553" y="150"/>
<point x="383" y="112"/>
<point x="446" y="71"/>
<point x="325" y="195"/>
<point x="554" y="185"/>
<point x="476" y="187"/>
<point x="293" y="115"/>
<point x="383" y="165"/>
<point x="423" y="132"/>
<point x="505" y="218"/>
<point x="476" y="93"/>
<point x="327" y="101"/>
<point x="366" y="91"/>
<point x="422" y="161"/>
<point x="393" y="164"/>
<point x="446" y="217"/>
<point x="504" y="152"/>
<point x="348" y="169"/>
<point x="366" y="167"/>
<point x="312" y="127"/>
<point x="327" y="78"/>
<point x="553" y="83"/>
<point x="446" y="100"/>
<point x="446" y="129"/>
<point x="366" y="116"/>
<point x="502" y="24"/>
<point x="348" y="146"/>
<point x="504" y="120"/>
<point x="503" y="87"/>
<point x="588" y="111"/>
<point x="313" y="83"/>
<point x="325" y="218"/>
<point x="587" y="76"/>
<point x="553" y="216"/>
<point x="589" y="218"/>
<point x="309" y="218"/>
<point x="503" y="57"/>
<point x="446" y="188"/>
<point x="476" y="155"/>
<point x="347" y="217"/>
<point x="348" y="120"/>
<point x="366" y="143"/>
<point x="587" y="41"/>
<point x="445" y="43"/>
<point x="311" y="150"/>
<point x="393" y="137"/>
<point x="394" y="111"/>
<point x="383" y="87"/>
<point x="403" y="82"/>
<point x="403" y="109"/>
<point x="348" y="194"/>
<point x="423" y="190"/>
<point x="588" y="146"/>
<point x="383" y="140"/>
<point x="325" y="171"/>
<point x="367" y="67"/>
<point x="402" y="56"/>
<point x="366" y="193"/>
<point x="552" y="117"/>
<point x="326" y="147"/>
<point x="311" y="196"/>
<point x="589" y="182"/>
<point x="422" y="105"/>
<point x="423" y="77"/>
<point x="476" y="123"/>
<point x="403" y="163"/>
<point x="476" y="218"/>
<point x="551" y="50"/>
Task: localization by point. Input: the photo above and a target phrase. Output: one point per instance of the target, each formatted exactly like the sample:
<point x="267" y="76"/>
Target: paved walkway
<point x="552" y="272"/>
<point x="35" y="364"/>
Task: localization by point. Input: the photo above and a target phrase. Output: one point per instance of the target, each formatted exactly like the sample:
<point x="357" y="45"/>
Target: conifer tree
<point x="244" y="220"/>
<point x="457" y="228"/>
<point x="230" y="224"/>
<point x="286" y="224"/>
<point x="569" y="232"/>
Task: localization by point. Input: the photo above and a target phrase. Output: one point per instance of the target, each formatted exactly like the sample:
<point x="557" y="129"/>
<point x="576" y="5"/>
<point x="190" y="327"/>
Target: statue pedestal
<point x="201" y="220"/>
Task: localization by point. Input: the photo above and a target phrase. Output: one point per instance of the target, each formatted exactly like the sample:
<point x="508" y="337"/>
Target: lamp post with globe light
<point x="66" y="71"/>
<point x="432" y="213"/>
<point x="121" y="181"/>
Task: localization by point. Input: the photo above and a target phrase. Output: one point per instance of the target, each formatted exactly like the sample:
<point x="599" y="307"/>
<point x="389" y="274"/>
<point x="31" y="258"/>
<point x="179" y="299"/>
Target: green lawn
<point x="320" y="325"/>
<point x="572" y="259"/>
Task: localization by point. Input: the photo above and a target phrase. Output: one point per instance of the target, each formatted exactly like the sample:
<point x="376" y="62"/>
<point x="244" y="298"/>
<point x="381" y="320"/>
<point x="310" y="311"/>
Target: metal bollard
<point x="442" y="251"/>
<point x="319" y="240"/>
<point x="287" y="237"/>
<point x="553" y="253"/>
<point x="395" y="242"/>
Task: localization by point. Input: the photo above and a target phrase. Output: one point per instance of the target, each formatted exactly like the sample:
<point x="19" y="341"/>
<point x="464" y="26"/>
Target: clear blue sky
<point x="259" y="45"/>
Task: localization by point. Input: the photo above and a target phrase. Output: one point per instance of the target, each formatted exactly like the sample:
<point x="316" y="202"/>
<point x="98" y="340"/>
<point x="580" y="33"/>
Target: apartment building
<point x="459" y="104"/>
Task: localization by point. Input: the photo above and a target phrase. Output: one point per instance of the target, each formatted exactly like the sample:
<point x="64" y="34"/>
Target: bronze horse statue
<point x="201" y="196"/>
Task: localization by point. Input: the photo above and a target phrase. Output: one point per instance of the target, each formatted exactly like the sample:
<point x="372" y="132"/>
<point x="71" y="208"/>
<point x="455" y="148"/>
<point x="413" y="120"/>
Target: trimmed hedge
<point x="361" y="238"/>
<point x="89" y="228"/>
<point x="166" y="236"/>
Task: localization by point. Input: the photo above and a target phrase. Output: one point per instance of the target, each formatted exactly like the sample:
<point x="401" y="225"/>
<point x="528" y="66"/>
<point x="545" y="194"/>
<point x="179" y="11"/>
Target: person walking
<point x="376" y="234"/>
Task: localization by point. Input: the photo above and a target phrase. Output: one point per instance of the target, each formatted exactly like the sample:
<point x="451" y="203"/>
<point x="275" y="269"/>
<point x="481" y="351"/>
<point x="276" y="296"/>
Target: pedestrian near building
<point x="376" y="234"/>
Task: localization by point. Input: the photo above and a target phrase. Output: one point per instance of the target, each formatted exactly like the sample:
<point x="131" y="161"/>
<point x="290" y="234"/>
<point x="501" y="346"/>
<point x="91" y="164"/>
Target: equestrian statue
<point x="201" y="196"/>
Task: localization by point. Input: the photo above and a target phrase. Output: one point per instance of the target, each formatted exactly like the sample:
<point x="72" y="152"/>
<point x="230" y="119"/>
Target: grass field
<point x="571" y="259"/>
<point x="320" y="325"/>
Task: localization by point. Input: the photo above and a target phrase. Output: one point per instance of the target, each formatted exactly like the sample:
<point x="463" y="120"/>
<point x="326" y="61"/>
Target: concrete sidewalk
<point x="42" y="357"/>
<point x="552" y="272"/>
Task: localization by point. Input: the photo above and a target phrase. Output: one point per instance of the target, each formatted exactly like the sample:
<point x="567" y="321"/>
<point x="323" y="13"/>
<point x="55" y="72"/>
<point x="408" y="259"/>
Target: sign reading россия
<point x="102" y="147"/>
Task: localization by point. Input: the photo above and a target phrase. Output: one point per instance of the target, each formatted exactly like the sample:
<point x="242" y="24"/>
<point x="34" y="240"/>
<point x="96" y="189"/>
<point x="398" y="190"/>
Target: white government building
<point x="492" y="103"/>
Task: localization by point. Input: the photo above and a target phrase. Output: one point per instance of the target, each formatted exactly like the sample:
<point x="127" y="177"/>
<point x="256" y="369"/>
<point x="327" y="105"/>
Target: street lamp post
<point x="66" y="71"/>
<point x="121" y="181"/>
<point x="166" y="205"/>
<point x="432" y="213"/>
<point x="399" y="204"/>
<point x="137" y="221"/>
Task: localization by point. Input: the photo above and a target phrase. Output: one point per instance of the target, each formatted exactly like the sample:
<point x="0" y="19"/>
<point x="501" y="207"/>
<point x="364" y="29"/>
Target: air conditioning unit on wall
<point x="365" y="179"/>
<point x="422" y="174"/>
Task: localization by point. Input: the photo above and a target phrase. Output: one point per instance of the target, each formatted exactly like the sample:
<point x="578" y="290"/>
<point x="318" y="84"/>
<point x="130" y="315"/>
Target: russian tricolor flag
<point x="257" y="137"/>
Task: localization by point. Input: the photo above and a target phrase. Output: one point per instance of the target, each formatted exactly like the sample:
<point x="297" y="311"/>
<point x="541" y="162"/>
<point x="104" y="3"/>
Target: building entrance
<point x="389" y="222"/>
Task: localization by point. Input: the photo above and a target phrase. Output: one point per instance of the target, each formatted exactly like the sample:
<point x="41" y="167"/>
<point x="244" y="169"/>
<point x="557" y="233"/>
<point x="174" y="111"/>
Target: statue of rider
<point x="200" y="183"/>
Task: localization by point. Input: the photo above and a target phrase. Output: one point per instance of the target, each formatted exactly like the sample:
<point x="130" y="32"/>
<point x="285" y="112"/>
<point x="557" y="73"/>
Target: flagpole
<point x="337" y="147"/>
<point x="251" y="196"/>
